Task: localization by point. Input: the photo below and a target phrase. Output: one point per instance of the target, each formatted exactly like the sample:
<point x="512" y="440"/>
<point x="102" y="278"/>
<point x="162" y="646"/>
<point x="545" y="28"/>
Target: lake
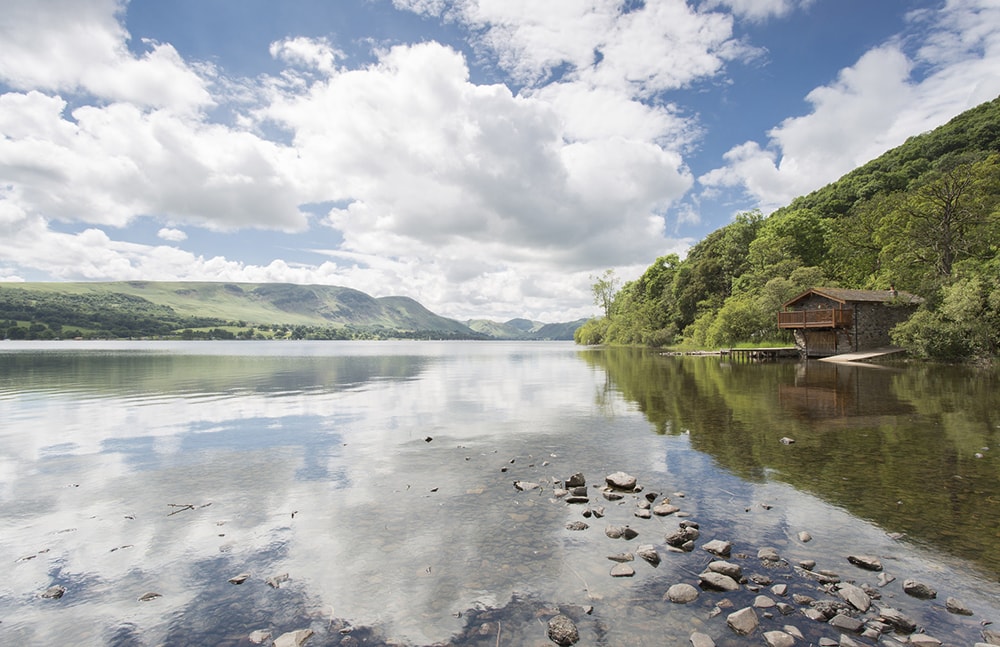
<point x="373" y="484"/>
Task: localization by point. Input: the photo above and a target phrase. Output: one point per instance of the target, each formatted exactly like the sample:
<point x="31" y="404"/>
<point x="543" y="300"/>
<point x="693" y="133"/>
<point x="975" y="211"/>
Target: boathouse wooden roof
<point x="845" y="296"/>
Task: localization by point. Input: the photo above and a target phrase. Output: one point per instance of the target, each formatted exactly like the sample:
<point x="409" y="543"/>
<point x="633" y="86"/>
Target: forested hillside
<point x="923" y="217"/>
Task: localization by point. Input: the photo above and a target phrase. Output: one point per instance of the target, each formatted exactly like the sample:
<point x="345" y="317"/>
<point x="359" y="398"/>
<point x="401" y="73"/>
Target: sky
<point x="488" y="158"/>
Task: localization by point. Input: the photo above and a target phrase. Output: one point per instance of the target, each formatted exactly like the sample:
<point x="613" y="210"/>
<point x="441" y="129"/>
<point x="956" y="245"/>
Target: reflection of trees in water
<point x="894" y="446"/>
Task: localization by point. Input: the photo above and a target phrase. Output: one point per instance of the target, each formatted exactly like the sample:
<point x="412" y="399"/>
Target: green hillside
<point x="923" y="217"/>
<point x="170" y="309"/>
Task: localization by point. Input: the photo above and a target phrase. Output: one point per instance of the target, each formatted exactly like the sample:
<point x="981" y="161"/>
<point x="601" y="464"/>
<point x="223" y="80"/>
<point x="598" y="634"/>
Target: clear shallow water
<point x="128" y="468"/>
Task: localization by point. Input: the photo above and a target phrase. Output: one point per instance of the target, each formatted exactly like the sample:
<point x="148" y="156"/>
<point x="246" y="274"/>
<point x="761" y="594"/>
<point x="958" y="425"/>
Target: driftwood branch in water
<point x="181" y="507"/>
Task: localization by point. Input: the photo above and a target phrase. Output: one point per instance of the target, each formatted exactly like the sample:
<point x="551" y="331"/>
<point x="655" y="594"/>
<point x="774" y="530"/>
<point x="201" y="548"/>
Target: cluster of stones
<point x="854" y="613"/>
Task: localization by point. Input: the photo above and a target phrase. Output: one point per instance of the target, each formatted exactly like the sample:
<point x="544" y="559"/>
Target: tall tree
<point x="952" y="216"/>
<point x="604" y="289"/>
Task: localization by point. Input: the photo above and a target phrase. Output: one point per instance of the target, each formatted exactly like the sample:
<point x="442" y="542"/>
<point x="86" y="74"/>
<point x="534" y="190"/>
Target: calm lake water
<point x="379" y="477"/>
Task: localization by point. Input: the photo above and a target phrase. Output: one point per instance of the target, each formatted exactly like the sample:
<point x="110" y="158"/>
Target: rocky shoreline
<point x="792" y="603"/>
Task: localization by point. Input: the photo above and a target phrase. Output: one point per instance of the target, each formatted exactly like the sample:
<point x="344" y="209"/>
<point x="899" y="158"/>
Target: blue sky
<point x="485" y="157"/>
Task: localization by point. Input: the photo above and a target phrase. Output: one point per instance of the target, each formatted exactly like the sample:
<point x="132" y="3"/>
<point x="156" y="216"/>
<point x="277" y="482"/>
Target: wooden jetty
<point x="761" y="354"/>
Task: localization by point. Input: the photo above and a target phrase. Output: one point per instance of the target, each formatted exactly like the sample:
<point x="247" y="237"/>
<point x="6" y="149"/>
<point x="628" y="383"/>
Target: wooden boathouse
<point x="830" y="321"/>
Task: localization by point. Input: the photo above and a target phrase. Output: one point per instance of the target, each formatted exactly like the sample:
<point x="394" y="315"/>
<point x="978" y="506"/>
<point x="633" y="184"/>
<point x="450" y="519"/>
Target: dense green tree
<point x="952" y="216"/>
<point x="924" y="217"/>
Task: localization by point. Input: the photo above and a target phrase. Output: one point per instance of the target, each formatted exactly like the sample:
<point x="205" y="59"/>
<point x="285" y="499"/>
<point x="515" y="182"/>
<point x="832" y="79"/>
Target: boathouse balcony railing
<point x="826" y="318"/>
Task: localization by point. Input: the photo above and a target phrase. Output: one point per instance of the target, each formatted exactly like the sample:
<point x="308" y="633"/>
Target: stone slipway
<point x="862" y="356"/>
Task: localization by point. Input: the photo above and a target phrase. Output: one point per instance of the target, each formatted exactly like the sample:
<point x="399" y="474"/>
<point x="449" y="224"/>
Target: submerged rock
<point x="576" y="525"/>
<point x="563" y="631"/>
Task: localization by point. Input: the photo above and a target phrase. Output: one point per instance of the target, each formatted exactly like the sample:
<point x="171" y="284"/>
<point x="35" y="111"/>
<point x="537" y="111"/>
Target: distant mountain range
<point x="524" y="329"/>
<point x="243" y="310"/>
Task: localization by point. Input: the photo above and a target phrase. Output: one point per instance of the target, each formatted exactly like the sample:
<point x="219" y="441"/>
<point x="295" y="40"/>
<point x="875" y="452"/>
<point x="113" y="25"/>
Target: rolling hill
<point x="199" y="309"/>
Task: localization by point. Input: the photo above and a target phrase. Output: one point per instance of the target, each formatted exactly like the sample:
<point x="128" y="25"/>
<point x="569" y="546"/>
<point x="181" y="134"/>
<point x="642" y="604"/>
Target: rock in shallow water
<point x="648" y="553"/>
<point x="918" y="590"/>
<point x="621" y="481"/>
<point x="743" y="622"/>
<point x="728" y="569"/>
<point x="867" y="562"/>
<point x="719" y="547"/>
<point x="53" y="592"/>
<point x="778" y="639"/>
<point x="665" y="509"/>
<point x="855" y="596"/>
<point x="622" y="570"/>
<point x="293" y="638"/>
<point x="718" y="582"/>
<point x="957" y="607"/>
<point x="563" y="631"/>
<point x="699" y="639"/>
<point x="682" y="593"/>
<point x="899" y="620"/>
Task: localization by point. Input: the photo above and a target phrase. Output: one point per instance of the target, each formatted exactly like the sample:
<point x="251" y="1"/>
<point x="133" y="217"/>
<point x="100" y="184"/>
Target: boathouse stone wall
<point x="870" y="327"/>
